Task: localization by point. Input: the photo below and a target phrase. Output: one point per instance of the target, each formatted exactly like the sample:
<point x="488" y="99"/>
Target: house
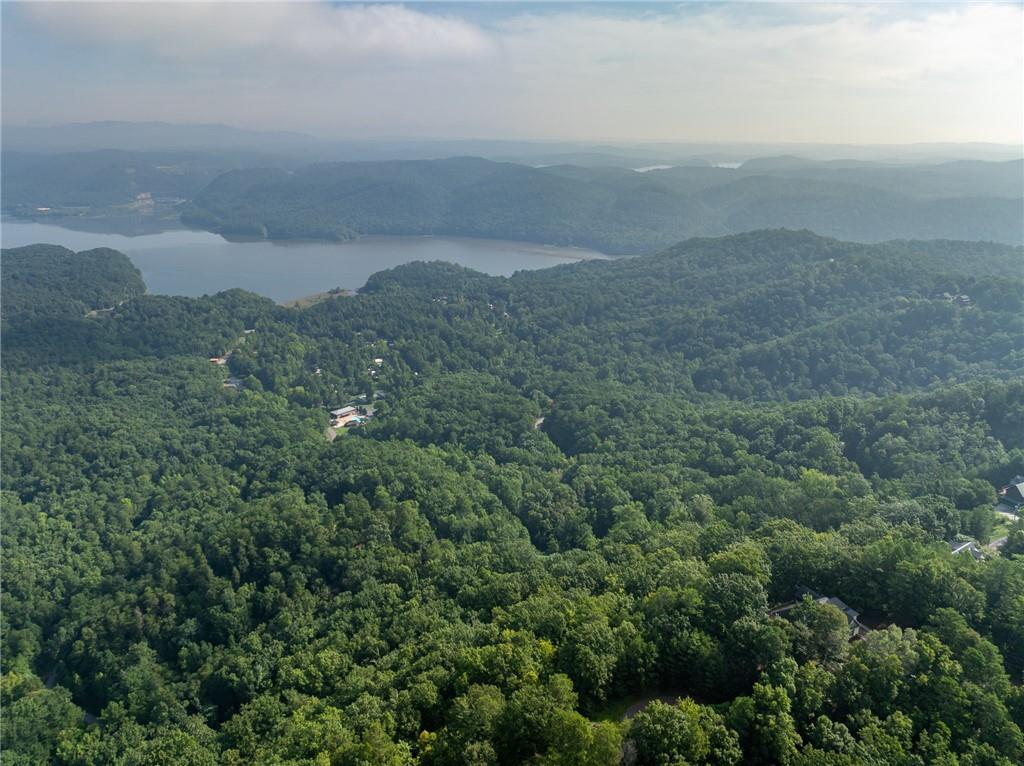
<point x="1013" y="493"/>
<point x="958" y="547"/>
<point x="344" y="416"/>
<point x="857" y="630"/>
<point x="219" y="360"/>
<point x="960" y="299"/>
<point x="235" y="383"/>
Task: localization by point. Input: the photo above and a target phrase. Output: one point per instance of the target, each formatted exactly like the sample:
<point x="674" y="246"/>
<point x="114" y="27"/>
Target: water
<point x="194" y="263"/>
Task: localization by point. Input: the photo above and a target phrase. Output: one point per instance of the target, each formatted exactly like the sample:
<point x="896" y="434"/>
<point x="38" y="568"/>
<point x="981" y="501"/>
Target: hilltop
<point x="615" y="209"/>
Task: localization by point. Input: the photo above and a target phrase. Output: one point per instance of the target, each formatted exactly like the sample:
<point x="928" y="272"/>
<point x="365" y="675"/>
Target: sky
<point x="887" y="72"/>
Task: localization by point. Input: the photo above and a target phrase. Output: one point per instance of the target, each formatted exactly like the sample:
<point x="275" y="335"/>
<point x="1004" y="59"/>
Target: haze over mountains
<point x="614" y="210"/>
<point x="245" y="183"/>
<point x="166" y="136"/>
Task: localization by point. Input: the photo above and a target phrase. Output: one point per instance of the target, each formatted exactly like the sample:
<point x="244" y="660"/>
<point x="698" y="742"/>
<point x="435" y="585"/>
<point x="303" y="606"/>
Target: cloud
<point x="305" y="32"/>
<point x="853" y="45"/>
<point x="802" y="72"/>
<point x="726" y="72"/>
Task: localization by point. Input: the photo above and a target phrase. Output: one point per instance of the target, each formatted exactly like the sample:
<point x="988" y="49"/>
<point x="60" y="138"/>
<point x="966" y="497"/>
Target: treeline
<point x="614" y="210"/>
<point x="550" y="517"/>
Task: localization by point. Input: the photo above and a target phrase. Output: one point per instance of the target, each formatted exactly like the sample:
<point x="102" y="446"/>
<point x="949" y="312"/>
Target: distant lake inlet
<point x="194" y="263"/>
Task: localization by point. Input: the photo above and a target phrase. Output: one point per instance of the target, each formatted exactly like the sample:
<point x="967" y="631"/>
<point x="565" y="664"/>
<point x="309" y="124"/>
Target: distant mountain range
<point x="612" y="209"/>
<point x="111" y="177"/>
<point x="164" y="136"/>
<point x="250" y="183"/>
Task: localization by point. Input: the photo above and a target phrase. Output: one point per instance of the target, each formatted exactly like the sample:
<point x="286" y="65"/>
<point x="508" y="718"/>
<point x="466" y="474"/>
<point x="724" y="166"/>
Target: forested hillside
<point x="46" y="281"/>
<point x="578" y="490"/>
<point x="108" y="178"/>
<point x="616" y="210"/>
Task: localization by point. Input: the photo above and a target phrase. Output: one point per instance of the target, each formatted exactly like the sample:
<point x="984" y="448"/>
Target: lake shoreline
<point x="195" y="263"/>
<point x="564" y="252"/>
<point x="130" y="226"/>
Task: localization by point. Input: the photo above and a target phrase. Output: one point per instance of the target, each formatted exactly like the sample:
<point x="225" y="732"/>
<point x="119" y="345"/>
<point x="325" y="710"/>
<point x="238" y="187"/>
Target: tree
<point x="668" y="735"/>
<point x="765" y="726"/>
<point x="819" y="632"/>
<point x="575" y="741"/>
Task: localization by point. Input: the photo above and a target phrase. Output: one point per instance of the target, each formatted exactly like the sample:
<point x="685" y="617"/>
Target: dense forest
<point x="46" y="281"/>
<point x="563" y="537"/>
<point x="616" y="210"/>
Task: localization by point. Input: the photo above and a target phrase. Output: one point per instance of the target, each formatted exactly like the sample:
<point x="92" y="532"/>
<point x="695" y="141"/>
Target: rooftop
<point x="957" y="547"/>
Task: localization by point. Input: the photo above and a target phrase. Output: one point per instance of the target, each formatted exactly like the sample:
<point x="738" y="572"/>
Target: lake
<point x="193" y="263"/>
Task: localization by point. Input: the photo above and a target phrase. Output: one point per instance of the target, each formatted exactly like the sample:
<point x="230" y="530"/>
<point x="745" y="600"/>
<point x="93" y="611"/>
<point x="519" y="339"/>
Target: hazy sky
<point x="888" y="72"/>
